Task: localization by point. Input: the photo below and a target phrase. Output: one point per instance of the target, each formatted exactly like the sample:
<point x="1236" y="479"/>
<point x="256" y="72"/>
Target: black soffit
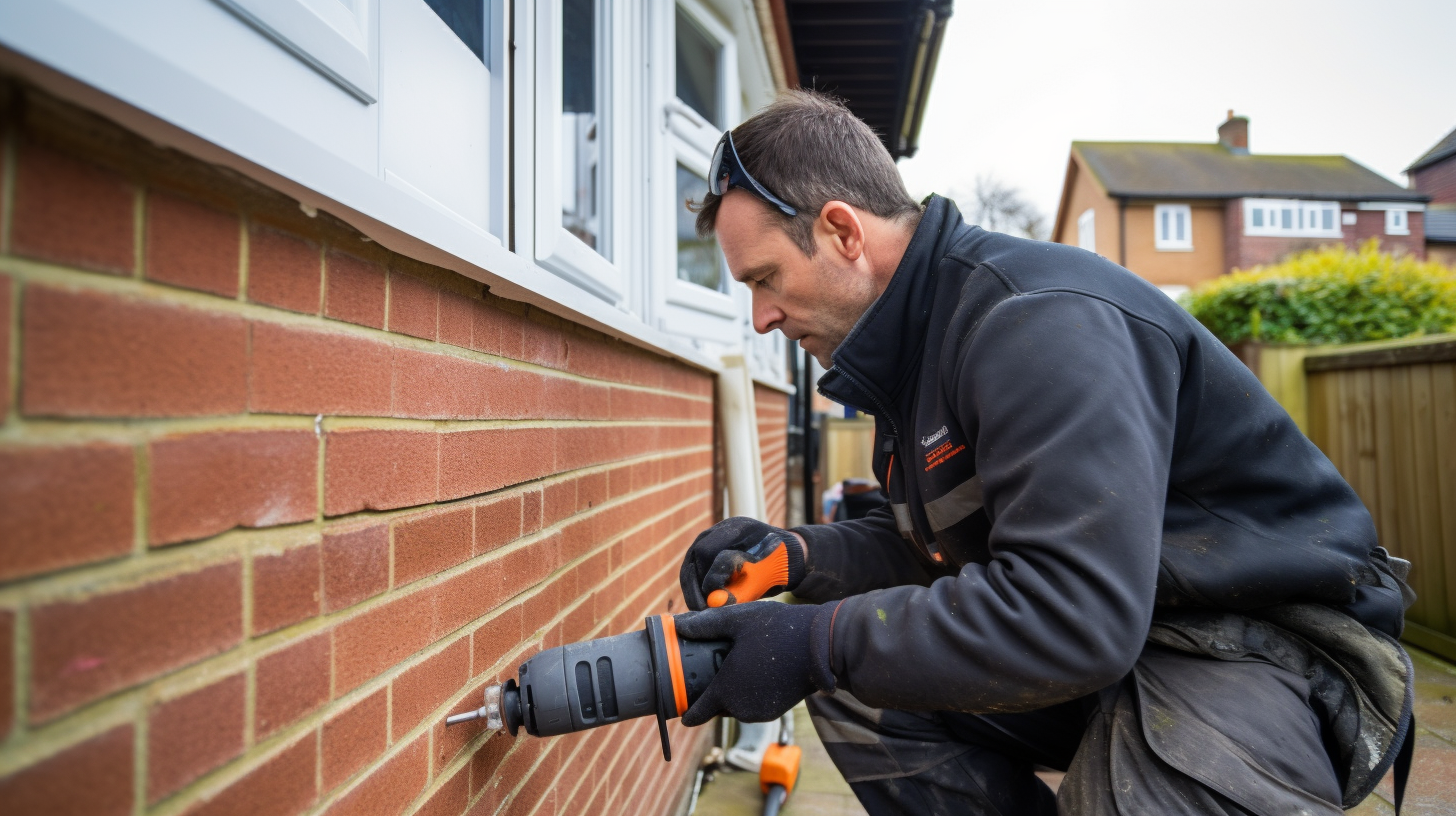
<point x="877" y="55"/>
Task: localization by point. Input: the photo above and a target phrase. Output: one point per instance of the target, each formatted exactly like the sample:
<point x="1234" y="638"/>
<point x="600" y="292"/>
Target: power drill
<point x="598" y="682"/>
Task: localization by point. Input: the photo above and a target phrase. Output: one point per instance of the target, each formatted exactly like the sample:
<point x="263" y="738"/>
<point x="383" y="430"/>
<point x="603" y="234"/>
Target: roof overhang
<point x="879" y="57"/>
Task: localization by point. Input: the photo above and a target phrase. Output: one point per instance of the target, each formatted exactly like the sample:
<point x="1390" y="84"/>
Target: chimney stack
<point x="1234" y="134"/>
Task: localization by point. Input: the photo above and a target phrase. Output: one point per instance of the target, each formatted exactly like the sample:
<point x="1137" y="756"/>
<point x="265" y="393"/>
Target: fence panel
<point x="1385" y="414"/>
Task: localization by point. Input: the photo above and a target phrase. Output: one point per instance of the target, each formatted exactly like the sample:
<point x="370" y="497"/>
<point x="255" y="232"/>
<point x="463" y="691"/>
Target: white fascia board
<point x="96" y="69"/>
<point x="1408" y="206"/>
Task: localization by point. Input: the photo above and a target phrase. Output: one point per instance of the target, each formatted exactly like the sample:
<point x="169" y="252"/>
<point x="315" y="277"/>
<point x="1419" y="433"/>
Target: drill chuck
<point x="597" y="682"/>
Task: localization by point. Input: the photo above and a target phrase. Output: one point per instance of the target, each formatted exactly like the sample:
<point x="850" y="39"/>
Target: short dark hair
<point x="809" y="149"/>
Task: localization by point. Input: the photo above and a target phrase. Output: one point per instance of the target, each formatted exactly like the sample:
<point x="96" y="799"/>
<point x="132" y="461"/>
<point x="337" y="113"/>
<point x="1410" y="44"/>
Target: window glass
<point x="698" y="259"/>
<point x="1087" y="230"/>
<point x="697" y="70"/>
<point x="1258" y="216"/>
<point x="581" y="143"/>
<point x="1173" y="226"/>
<point x="467" y="18"/>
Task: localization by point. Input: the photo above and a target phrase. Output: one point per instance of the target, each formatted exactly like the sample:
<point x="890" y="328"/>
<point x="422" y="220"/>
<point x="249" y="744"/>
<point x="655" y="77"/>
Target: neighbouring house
<point x="352" y="352"/>
<point x="1181" y="213"/>
<point x="1434" y="174"/>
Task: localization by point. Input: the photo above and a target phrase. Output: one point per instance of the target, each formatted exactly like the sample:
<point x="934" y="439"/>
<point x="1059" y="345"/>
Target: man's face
<point x="815" y="301"/>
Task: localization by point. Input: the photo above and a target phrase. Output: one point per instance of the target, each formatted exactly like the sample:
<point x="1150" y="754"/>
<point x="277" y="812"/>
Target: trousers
<point x="1180" y="734"/>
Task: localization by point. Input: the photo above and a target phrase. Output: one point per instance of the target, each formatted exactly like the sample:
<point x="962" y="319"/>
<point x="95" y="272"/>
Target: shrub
<point x="1329" y="295"/>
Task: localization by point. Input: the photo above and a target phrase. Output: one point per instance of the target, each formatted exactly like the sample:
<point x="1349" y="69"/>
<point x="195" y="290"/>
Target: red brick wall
<point x="1437" y="181"/>
<point x="275" y="501"/>
<point x="773" y="445"/>
<point x="1244" y="251"/>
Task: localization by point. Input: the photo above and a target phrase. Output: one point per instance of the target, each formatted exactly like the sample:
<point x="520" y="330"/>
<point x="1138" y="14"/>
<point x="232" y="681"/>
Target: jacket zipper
<point x="906" y="525"/>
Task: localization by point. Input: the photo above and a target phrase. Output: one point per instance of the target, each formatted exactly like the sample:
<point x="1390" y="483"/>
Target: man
<point x="1106" y="550"/>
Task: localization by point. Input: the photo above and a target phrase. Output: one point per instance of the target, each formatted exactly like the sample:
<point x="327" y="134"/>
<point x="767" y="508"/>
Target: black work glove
<point x="770" y="666"/>
<point x="728" y="547"/>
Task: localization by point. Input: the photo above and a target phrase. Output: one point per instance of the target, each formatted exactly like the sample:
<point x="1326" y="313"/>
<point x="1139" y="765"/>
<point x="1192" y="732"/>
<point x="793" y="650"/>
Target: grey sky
<point x="1019" y="80"/>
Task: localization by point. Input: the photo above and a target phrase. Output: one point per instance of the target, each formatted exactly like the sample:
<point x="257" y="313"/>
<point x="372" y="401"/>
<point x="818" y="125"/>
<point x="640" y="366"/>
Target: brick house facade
<point x="1179" y="214"/>
<point x="1434" y="174"/>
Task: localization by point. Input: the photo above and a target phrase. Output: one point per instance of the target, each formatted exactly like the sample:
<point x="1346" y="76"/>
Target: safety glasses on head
<point x="726" y="172"/>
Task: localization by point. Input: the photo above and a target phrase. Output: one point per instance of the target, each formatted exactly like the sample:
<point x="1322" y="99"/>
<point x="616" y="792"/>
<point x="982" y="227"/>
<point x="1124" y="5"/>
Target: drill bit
<point x="491" y="711"/>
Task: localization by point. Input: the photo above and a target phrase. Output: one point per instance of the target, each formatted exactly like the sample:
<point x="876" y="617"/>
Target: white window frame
<point x="1169" y="242"/>
<point x="1397" y="222"/>
<point x="1087" y="230"/>
<point x="337" y="41"/>
<point x="555" y="248"/>
<point x="687" y="138"/>
<point x="1302" y="213"/>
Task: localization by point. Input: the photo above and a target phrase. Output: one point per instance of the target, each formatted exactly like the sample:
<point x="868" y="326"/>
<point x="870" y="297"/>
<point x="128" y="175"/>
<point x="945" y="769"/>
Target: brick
<point x="192" y="245"/>
<point x="426" y="686"/>
<point x="93" y="777"/>
<point x="207" y="483"/>
<point x="413" y="306"/>
<point x="354" y="290"/>
<point x="356" y="565"/>
<point x="7" y="672"/>
<point x="375" y="640"/>
<point x="485" y="762"/>
<point x="379" y="470"/>
<point x="285" y="588"/>
<point x="97" y="355"/>
<point x="497" y="523"/>
<point x="441" y="386"/>
<point x="531" y="511"/>
<point x="290" y="683"/>
<point x="281" y="786"/>
<point x="83" y="650"/>
<point x="457" y="318"/>
<point x="495" y="331"/>
<point x="591" y="491"/>
<point x="466" y="596"/>
<point x="65" y="506"/>
<point x="194" y="733"/>
<point x="354" y="737"/>
<point x="432" y="542"/>
<point x="5" y="322"/>
<point x="474" y="462"/>
<point x="303" y="371"/>
<point x="72" y="212"/>
<point x="284" y="270"/>
<point x="542" y="345"/>
<point x="495" y="639"/>
<point x="389" y="789"/>
<point x="451" y="798"/>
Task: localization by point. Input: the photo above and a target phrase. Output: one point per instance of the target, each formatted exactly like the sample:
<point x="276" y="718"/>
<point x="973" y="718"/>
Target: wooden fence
<point x="1385" y="414"/>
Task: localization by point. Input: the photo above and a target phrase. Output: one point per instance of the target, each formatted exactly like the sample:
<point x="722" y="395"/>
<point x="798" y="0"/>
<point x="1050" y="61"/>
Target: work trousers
<point x="1181" y="734"/>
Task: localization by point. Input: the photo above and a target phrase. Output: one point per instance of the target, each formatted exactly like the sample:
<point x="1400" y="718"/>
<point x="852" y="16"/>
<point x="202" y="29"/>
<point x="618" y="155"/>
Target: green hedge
<point x="1329" y="295"/>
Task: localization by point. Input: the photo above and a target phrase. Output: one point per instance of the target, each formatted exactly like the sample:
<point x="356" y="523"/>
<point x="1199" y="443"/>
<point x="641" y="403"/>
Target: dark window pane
<point x="578" y="56"/>
<point x="581" y="145"/>
<point x="467" y="19"/>
<point x="698" y="260"/>
<point x="697" y="69"/>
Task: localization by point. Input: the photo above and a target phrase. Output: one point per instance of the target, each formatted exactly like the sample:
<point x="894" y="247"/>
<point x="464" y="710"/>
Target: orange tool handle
<point x="780" y="767"/>
<point x="754" y="578"/>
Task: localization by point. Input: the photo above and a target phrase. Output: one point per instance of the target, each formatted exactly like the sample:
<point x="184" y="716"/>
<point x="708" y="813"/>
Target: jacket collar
<point x="882" y="353"/>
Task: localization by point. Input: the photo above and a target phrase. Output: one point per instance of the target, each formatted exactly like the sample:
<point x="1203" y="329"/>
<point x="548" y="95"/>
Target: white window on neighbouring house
<point x="1397" y="222"/>
<point x="1172" y="227"/>
<point x="1087" y="230"/>
<point x="1290" y="218"/>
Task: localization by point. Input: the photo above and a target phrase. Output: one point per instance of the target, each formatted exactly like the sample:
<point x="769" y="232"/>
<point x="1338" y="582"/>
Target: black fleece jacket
<point x="1065" y="450"/>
